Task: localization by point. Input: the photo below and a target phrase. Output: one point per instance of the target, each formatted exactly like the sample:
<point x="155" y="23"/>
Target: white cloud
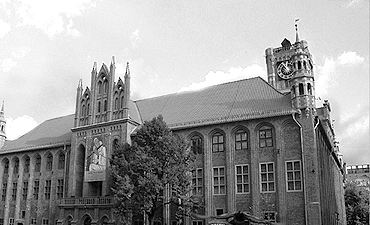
<point x="135" y="38"/>
<point x="234" y="73"/>
<point x="4" y="28"/>
<point x="50" y="15"/>
<point x="7" y="64"/>
<point x="19" y="126"/>
<point x="327" y="73"/>
<point x="357" y="129"/>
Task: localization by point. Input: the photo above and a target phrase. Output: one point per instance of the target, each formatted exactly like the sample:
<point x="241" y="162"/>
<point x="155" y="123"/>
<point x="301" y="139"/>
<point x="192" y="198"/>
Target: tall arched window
<point x="6" y="166"/>
<point x="309" y="89"/>
<point x="49" y="162"/>
<point x="100" y="88"/>
<point x="197" y="144"/>
<point x="16" y="166"/>
<point x="26" y="165"/>
<point x="305" y="64"/>
<point x="105" y="105"/>
<point x="61" y="161"/>
<point x="116" y="103"/>
<point x="106" y="86"/>
<point x="301" y="89"/>
<point x="299" y="65"/>
<point x="241" y="140"/>
<point x="99" y="107"/>
<point x="265" y="137"/>
<point x="218" y="142"/>
<point x="122" y="101"/>
<point x="38" y="163"/>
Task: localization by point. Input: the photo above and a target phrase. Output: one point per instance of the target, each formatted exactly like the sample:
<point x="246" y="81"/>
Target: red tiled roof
<point x="238" y="100"/>
<point x="50" y="133"/>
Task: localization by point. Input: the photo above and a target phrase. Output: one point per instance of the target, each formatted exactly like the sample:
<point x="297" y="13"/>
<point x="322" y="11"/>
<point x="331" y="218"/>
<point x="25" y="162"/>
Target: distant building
<point x="263" y="148"/>
<point x="359" y="174"/>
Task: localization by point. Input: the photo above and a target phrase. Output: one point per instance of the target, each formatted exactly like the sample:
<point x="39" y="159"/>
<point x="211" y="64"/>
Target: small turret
<point x="126" y="92"/>
<point x="2" y="127"/>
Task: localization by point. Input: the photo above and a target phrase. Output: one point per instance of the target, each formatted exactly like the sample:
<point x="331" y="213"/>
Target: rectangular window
<point x="267" y="177"/>
<point x="197" y="222"/>
<point x="23" y="214"/>
<point x="36" y="188"/>
<point x="197" y="181"/>
<point x="33" y="221"/>
<point x="25" y="190"/>
<point x="3" y="191"/>
<point x="60" y="187"/>
<point x="38" y="164"/>
<point x="242" y="179"/>
<point x="196" y="145"/>
<point x="45" y="221"/>
<point x="269" y="216"/>
<point x="241" y="140"/>
<point x="47" y="189"/>
<point x="14" y="191"/>
<point x="219" y="187"/>
<point x="219" y="212"/>
<point x="293" y="175"/>
<point x="1" y="221"/>
<point x="11" y="221"/>
<point x="265" y="137"/>
<point x="61" y="161"/>
<point x="218" y="142"/>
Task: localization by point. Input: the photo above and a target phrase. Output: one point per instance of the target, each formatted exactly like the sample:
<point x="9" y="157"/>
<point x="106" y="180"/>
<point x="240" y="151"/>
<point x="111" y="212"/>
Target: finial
<point x="2" y="107"/>
<point x="296" y="30"/>
<point x="80" y="83"/>
<point x="95" y="66"/>
<point x="113" y="61"/>
<point x="127" y="70"/>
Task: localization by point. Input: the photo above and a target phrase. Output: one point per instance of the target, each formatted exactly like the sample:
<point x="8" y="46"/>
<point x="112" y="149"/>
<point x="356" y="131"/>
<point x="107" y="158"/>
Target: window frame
<point x="243" y="181"/>
<point x="197" y="182"/>
<point x="38" y="163"/>
<point x="220" y="144"/>
<point x="267" y="176"/>
<point x="294" y="176"/>
<point x="241" y="141"/>
<point x="269" y="213"/>
<point x="49" y="162"/>
<point x="61" y="161"/>
<point x="219" y="185"/>
<point x="265" y="138"/>
<point x="198" y="140"/>
<point x="47" y="193"/>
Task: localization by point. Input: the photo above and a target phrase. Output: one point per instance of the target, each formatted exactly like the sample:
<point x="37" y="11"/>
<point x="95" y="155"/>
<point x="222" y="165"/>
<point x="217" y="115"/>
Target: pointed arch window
<point x="83" y="112"/>
<point x="49" y="162"/>
<point x="27" y="165"/>
<point x="6" y="166"/>
<point x="116" y="103"/>
<point x="265" y="137"/>
<point x="305" y="64"/>
<point x="301" y="89"/>
<point x="61" y="161"/>
<point x="16" y="166"/>
<point x="218" y="142"/>
<point x="99" y="107"/>
<point x="106" y="87"/>
<point x="38" y="164"/>
<point x="299" y="65"/>
<point x="88" y="109"/>
<point x="241" y="139"/>
<point x="309" y="89"/>
<point x="100" y="88"/>
<point x="122" y="101"/>
<point x="197" y="144"/>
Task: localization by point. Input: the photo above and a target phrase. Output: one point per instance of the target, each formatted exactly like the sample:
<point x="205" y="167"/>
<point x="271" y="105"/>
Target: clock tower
<point x="290" y="70"/>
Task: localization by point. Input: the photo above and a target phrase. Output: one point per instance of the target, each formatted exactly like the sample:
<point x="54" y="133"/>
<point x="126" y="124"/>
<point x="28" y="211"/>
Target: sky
<point x="47" y="46"/>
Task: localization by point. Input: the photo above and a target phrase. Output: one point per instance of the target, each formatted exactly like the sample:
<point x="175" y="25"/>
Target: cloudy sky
<point x="47" y="46"/>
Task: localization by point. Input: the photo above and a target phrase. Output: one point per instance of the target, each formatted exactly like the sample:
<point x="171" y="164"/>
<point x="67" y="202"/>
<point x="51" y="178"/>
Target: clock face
<point x="285" y="70"/>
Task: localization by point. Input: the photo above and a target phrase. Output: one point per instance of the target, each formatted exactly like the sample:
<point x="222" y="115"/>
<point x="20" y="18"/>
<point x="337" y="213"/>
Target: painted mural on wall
<point x="96" y="160"/>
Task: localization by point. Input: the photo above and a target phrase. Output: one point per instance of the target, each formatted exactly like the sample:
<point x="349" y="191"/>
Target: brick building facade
<point x="262" y="148"/>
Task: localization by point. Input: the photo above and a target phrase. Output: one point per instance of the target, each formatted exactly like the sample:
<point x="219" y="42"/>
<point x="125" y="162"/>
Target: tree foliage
<point x="156" y="162"/>
<point x="357" y="204"/>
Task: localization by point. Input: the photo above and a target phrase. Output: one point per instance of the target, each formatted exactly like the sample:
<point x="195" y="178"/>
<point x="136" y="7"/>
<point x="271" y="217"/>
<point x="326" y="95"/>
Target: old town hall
<point x="263" y="148"/>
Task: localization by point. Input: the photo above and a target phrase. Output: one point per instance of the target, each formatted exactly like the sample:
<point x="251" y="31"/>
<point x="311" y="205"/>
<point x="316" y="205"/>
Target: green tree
<point x="357" y="204"/>
<point x="156" y="162"/>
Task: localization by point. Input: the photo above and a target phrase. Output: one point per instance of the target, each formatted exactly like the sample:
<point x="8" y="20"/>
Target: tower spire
<point x="127" y="70"/>
<point x="2" y="127"/>
<point x="296" y="30"/>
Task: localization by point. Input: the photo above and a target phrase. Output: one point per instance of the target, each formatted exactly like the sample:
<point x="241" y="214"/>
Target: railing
<point x="87" y="201"/>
